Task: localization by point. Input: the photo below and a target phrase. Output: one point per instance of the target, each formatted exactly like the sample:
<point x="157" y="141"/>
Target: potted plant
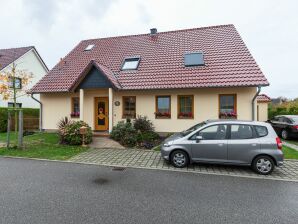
<point x="228" y="115"/>
<point x="185" y="115"/>
<point x="162" y="115"/>
<point x="75" y="114"/>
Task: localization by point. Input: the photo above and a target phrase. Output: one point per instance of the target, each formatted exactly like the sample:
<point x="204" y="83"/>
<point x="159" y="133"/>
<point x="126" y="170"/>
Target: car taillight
<point x="295" y="127"/>
<point x="279" y="143"/>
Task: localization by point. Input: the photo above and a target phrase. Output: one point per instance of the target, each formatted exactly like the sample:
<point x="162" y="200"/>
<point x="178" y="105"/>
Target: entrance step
<point x="101" y="134"/>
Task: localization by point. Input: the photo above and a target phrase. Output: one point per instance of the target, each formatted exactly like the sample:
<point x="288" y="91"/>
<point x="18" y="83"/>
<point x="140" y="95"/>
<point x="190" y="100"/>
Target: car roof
<point x="231" y="121"/>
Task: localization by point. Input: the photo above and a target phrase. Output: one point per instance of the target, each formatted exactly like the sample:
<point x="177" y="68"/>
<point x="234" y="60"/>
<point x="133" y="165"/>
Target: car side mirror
<point x="199" y="138"/>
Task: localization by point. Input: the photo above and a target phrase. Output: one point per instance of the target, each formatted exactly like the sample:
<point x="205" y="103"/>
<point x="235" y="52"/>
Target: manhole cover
<point x="100" y="181"/>
<point x="118" y="168"/>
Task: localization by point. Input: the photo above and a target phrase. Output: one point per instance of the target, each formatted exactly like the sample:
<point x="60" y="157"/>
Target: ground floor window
<point x="129" y="107"/>
<point x="75" y="107"/>
<point x="227" y="106"/>
<point x="163" y="107"/>
<point x="185" y="106"/>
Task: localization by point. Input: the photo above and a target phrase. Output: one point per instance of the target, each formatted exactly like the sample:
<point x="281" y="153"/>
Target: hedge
<point x="28" y="112"/>
<point x="274" y="111"/>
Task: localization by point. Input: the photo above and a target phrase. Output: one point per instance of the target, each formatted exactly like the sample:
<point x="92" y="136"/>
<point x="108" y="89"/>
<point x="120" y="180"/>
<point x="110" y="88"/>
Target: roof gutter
<point x="40" y="112"/>
<point x="253" y="103"/>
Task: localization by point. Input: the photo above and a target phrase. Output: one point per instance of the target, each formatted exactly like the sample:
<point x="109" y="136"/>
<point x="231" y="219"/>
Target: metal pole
<point x="8" y="129"/>
<point x="20" y="140"/>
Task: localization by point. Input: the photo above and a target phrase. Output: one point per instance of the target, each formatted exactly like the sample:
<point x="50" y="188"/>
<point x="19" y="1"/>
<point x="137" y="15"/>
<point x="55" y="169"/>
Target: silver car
<point x="248" y="143"/>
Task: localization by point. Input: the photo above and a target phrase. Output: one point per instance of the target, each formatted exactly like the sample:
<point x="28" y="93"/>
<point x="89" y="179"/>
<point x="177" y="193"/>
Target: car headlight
<point x="167" y="144"/>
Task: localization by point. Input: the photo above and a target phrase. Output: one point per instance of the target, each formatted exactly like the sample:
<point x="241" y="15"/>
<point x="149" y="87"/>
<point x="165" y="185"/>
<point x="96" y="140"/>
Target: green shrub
<point x="127" y="134"/>
<point x="143" y="124"/>
<point x="70" y="133"/>
<point x="124" y="133"/>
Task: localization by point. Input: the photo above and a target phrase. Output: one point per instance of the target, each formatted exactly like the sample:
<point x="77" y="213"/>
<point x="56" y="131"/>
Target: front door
<point x="101" y="107"/>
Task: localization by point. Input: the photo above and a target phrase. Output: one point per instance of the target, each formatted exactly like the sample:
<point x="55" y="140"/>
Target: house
<point x="28" y="60"/>
<point x="262" y="107"/>
<point x="176" y="79"/>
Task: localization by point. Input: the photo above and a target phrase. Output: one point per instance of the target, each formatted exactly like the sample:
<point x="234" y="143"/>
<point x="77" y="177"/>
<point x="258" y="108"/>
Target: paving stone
<point x="152" y="159"/>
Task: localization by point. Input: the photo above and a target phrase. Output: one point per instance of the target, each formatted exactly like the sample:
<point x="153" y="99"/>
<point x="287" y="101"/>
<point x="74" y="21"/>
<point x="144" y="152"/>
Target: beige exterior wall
<point x="206" y="106"/>
<point x="262" y="111"/>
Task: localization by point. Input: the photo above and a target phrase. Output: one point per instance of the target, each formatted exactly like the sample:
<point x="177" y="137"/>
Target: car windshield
<point x="193" y="128"/>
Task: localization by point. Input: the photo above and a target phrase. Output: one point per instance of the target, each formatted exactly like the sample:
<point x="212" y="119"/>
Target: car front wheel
<point x="179" y="159"/>
<point x="263" y="165"/>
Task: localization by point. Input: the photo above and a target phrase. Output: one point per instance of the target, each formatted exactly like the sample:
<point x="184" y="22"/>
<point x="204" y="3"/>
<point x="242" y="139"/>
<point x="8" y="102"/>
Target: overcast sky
<point x="269" y="27"/>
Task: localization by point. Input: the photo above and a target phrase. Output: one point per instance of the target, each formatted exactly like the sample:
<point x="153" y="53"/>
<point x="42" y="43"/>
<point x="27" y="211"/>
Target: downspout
<point x="40" y="112"/>
<point x="253" y="103"/>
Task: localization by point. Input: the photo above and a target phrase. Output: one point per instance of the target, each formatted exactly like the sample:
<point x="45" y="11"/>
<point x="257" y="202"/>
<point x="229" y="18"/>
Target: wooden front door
<point x="101" y="111"/>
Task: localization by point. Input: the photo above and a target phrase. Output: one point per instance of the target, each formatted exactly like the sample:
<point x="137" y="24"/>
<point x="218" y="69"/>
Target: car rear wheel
<point x="285" y="134"/>
<point x="263" y="165"/>
<point x="179" y="159"/>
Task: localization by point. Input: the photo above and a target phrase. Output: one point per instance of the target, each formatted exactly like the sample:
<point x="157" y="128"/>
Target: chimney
<point x="153" y="31"/>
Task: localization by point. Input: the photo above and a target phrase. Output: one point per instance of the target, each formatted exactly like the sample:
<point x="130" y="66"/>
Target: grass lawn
<point x="289" y="153"/>
<point x="41" y="145"/>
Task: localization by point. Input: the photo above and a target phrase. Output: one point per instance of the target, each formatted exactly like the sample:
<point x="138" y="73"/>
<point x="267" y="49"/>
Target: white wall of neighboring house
<point x="30" y="62"/>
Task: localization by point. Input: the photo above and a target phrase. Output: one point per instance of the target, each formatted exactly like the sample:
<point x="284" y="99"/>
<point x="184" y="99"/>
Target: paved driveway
<point x="152" y="160"/>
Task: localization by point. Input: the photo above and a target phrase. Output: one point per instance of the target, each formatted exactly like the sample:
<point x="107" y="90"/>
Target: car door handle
<point x="220" y="144"/>
<point x="254" y="144"/>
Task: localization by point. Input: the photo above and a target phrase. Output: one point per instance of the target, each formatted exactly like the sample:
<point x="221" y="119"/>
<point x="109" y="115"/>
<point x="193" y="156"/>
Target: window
<point x="75" y="107"/>
<point x="11" y="104"/>
<point x="131" y="63"/>
<point x="214" y="132"/>
<point x="240" y="131"/>
<point x="194" y="59"/>
<point x="227" y="106"/>
<point x="185" y="106"/>
<point x="163" y="107"/>
<point x="129" y="107"/>
<point x="261" y="131"/>
<point x="89" y="47"/>
<point x="17" y="82"/>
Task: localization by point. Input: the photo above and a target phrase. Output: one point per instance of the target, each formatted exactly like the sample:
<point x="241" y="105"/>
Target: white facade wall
<point x="29" y="62"/>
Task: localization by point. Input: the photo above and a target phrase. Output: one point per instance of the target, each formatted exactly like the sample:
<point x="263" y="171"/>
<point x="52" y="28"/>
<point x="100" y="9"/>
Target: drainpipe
<point x="253" y="103"/>
<point x="40" y="112"/>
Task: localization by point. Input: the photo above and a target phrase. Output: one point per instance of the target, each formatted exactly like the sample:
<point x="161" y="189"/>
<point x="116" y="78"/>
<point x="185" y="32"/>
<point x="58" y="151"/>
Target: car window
<point x="275" y="119"/>
<point x="287" y="120"/>
<point x="281" y="119"/>
<point x="261" y="131"/>
<point x="240" y="131"/>
<point x="193" y="128"/>
<point x="214" y="132"/>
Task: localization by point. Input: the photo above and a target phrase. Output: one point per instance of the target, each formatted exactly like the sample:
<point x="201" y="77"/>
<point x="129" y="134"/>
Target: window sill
<point x="72" y="116"/>
<point x="161" y="117"/>
<point x="185" y="117"/>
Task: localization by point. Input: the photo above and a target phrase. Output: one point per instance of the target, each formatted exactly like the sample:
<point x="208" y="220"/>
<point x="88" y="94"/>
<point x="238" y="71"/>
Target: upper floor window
<point x="129" y="107"/>
<point x="194" y="59"/>
<point x="185" y="106"/>
<point x="15" y="82"/>
<point x="131" y="63"/>
<point x="163" y="107"/>
<point x="227" y="106"/>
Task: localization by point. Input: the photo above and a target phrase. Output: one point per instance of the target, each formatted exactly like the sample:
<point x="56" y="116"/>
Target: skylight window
<point x="89" y="47"/>
<point x="194" y="59"/>
<point x="131" y="63"/>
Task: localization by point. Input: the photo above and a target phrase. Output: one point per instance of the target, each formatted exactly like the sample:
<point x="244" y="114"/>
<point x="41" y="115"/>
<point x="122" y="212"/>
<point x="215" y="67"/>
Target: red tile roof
<point x="7" y="56"/>
<point x="228" y="62"/>
<point x="263" y="98"/>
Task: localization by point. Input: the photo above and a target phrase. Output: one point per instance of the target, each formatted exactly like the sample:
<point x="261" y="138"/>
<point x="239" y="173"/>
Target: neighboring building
<point x="27" y="59"/>
<point x="176" y="79"/>
<point x="262" y="107"/>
